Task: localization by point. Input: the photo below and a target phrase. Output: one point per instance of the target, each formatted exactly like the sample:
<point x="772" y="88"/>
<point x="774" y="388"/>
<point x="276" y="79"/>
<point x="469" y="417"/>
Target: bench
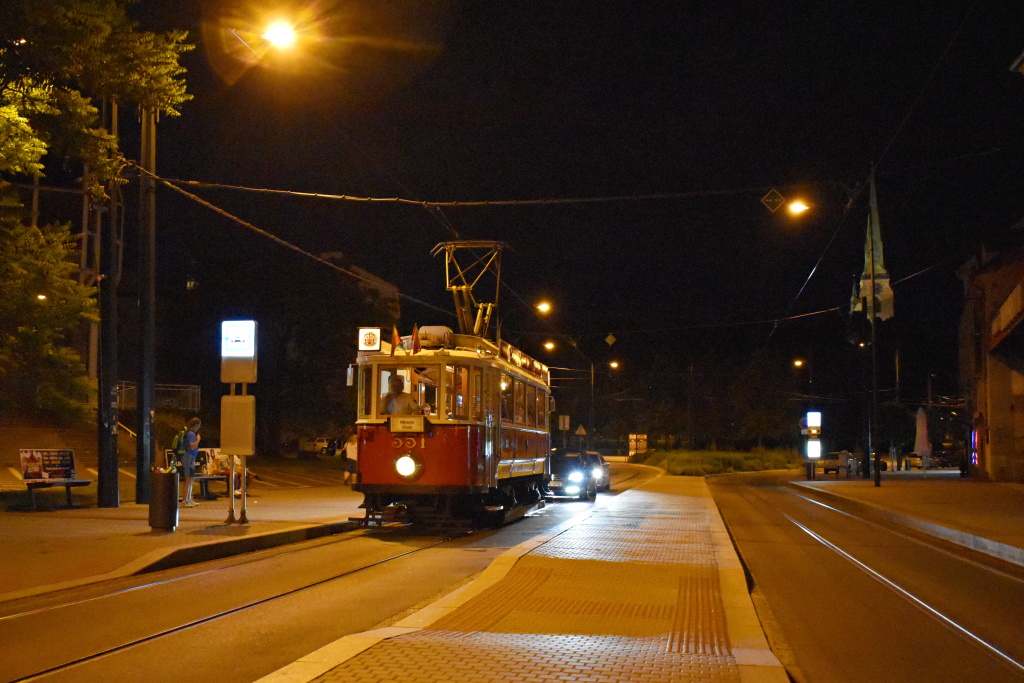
<point x="204" y="485"/>
<point x="43" y="468"/>
<point x="34" y="484"/>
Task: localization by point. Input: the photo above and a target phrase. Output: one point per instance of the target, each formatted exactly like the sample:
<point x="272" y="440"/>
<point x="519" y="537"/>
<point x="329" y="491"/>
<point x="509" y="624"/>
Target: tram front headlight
<point x="407" y="466"/>
<point x="576" y="476"/>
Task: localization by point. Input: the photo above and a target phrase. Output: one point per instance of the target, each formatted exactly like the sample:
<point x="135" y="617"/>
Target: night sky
<point x="678" y="117"/>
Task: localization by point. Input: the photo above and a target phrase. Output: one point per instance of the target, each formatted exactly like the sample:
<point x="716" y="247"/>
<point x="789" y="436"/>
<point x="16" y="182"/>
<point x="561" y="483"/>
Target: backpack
<point x="179" y="444"/>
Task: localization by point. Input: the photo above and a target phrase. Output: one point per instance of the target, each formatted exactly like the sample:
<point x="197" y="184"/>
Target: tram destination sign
<point x="407" y="423"/>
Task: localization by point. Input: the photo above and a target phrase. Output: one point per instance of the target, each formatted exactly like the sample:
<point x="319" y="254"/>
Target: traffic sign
<point x="580" y="431"/>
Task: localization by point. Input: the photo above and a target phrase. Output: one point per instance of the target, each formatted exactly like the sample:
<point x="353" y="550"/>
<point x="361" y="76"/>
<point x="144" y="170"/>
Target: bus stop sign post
<point x="811" y="426"/>
<point x="237" y="411"/>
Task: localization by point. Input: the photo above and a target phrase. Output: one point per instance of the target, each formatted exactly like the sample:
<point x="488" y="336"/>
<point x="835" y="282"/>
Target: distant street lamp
<point x="797" y="207"/>
<point x="544" y="307"/>
<point x="614" y="365"/>
<point x="550" y="346"/>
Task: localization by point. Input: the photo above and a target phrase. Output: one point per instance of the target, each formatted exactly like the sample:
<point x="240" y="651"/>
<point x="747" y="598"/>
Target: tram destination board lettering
<point x="57" y="463"/>
<point x="407" y="423"/>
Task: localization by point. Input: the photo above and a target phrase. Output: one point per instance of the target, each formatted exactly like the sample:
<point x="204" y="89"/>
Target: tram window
<point x="506" y="398"/>
<point x="531" y="405"/>
<point x="428" y="398"/>
<point x="456" y="399"/>
<point x="520" y="402"/>
<point x="543" y="409"/>
<point x="366" y="390"/>
<point x="419" y="385"/>
<point x="476" y="402"/>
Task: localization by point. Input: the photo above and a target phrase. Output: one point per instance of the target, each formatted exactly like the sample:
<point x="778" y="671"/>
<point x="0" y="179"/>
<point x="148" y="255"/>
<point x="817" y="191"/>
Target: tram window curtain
<point x="531" y="405"/>
<point x="520" y="398"/>
<point x="477" y="387"/>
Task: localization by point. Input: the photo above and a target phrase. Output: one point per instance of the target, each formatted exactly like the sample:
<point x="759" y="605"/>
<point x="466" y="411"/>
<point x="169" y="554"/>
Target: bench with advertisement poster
<point x="210" y="466"/>
<point x="47" y="467"/>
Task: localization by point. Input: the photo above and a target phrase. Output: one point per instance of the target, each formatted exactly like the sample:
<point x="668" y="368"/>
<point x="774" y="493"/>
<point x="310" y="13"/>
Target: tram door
<point x="492" y="419"/>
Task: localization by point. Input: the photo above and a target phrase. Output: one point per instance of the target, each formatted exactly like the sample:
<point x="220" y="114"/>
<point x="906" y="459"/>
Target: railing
<point x="176" y="396"/>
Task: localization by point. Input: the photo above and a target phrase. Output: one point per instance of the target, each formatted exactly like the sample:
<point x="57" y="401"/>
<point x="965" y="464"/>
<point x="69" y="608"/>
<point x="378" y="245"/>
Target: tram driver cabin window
<point x="420" y="385"/>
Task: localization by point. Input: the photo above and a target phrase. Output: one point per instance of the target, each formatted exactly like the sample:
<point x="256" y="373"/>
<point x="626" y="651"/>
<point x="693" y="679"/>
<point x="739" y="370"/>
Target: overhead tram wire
<point x="484" y="203"/>
<point x="280" y="241"/>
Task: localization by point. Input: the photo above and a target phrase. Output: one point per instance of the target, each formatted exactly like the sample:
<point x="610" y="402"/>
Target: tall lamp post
<point x="279" y="35"/>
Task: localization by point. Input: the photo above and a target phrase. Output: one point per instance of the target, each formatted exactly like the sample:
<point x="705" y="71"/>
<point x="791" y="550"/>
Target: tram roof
<point x="465" y="345"/>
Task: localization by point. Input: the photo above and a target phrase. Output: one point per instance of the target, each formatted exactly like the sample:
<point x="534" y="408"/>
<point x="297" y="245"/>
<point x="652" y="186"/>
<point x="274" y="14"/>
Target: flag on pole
<point x="396" y="341"/>
<point x="874" y="263"/>
<point x="415" y="338"/>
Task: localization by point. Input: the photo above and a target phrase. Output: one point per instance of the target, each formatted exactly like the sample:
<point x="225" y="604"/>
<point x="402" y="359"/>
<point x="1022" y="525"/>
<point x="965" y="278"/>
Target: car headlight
<point x="576" y="476"/>
<point x="598" y="473"/>
<point x="572" y="490"/>
<point x="408" y="467"/>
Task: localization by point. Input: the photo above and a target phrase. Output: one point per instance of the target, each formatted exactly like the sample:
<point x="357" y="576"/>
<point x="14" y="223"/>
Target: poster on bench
<point x="56" y="463"/>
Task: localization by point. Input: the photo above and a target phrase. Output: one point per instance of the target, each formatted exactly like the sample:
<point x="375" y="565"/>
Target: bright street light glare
<point x="614" y="364"/>
<point x="544" y="307"/>
<point x="798" y="363"/>
<point x="280" y="34"/>
<point x="549" y="345"/>
<point x="797" y="207"/>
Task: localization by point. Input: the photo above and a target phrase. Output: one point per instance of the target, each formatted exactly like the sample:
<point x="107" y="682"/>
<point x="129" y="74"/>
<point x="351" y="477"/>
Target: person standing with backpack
<point x="188" y="459"/>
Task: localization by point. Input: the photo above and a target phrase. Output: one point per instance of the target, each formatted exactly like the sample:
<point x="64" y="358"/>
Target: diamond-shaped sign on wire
<point x="773" y="200"/>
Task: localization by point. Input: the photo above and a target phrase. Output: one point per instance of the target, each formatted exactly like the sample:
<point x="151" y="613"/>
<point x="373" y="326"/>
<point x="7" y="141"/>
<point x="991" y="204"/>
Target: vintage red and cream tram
<point x="453" y="428"/>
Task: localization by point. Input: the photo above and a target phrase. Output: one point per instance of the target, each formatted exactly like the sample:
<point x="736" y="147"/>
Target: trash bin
<point x="163" y="505"/>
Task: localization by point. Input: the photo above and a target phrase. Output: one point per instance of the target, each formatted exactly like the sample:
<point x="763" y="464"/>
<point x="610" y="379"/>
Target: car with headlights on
<point x="602" y="473"/>
<point x="572" y="476"/>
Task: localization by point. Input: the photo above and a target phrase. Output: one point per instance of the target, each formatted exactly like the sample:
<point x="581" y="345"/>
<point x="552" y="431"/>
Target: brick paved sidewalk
<point x="648" y="588"/>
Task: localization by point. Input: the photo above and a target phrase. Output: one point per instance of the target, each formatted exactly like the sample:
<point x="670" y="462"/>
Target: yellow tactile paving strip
<point x="526" y="658"/>
<point x="629" y="594"/>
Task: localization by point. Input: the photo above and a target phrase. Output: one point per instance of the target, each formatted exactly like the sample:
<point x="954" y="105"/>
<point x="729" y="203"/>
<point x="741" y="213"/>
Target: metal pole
<point x="591" y="402"/>
<point x="109" y="494"/>
<point x="874" y="350"/>
<point x="147" y="306"/>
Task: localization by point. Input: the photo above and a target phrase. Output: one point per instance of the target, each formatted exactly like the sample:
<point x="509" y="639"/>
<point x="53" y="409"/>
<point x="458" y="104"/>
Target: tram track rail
<point x="12" y="621"/>
<point x="801" y="517"/>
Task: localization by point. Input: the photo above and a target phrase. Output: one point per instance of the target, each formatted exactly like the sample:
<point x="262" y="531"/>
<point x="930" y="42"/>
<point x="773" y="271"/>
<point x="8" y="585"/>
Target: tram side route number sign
<point x="47" y="464"/>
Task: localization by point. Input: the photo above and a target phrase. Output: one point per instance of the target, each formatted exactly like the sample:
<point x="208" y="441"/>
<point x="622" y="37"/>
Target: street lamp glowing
<point x="549" y="345"/>
<point x="798" y="363"/>
<point x="544" y="307"/>
<point x="280" y="34"/>
<point x="614" y="365"/>
<point x="41" y="297"/>
<point x="797" y="207"/>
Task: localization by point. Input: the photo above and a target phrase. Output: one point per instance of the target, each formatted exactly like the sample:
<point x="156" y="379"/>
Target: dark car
<point x="572" y="476"/>
<point x="601" y="471"/>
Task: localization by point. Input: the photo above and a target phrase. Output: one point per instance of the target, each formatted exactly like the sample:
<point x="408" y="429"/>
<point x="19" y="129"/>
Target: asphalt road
<point x="241" y="618"/>
<point x="843" y="599"/>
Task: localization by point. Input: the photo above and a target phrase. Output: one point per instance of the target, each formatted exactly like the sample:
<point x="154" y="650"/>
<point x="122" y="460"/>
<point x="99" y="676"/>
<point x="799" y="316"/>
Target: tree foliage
<point x="40" y="306"/>
<point x="58" y="58"/>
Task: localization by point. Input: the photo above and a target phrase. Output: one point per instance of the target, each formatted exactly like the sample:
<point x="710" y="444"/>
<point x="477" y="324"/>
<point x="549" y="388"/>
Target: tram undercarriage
<point x="449" y="512"/>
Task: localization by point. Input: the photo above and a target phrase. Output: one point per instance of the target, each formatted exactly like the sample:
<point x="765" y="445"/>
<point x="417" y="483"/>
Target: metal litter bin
<point x="163" y="506"/>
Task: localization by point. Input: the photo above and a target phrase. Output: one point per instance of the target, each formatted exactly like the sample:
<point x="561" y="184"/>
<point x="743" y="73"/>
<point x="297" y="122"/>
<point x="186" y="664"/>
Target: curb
<point x="169" y="558"/>
<point x="980" y="544"/>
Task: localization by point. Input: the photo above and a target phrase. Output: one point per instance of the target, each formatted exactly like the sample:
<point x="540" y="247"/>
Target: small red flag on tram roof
<point x="415" y="338"/>
<point x="396" y="341"/>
